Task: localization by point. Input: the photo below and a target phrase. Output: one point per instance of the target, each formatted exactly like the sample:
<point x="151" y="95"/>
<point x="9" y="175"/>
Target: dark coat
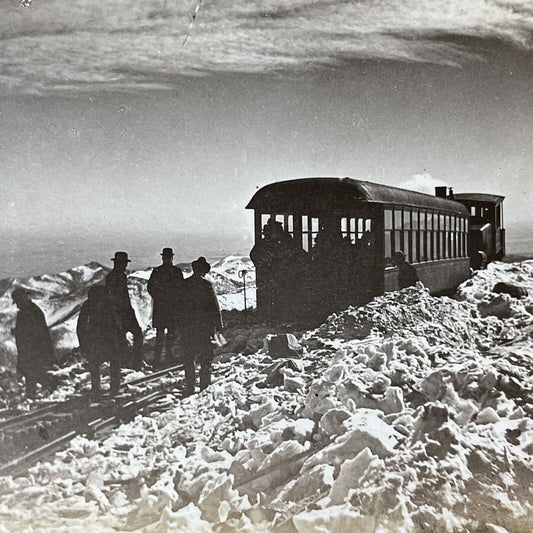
<point x="200" y="312"/>
<point x="163" y="287"/>
<point x="98" y="329"/>
<point x="34" y="345"/>
<point x="407" y="275"/>
<point x="117" y="284"/>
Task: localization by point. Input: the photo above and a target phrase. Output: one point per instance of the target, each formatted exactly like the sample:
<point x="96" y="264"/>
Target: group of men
<point x="184" y="306"/>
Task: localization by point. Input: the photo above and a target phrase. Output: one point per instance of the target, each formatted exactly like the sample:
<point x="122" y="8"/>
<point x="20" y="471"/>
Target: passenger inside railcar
<point x="280" y="264"/>
<point x="332" y="261"/>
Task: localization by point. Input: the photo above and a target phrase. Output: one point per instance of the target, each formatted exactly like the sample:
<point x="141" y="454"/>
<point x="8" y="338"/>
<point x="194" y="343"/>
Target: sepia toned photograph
<point x="266" y="266"/>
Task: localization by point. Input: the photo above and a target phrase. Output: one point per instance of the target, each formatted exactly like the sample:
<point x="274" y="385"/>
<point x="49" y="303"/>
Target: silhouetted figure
<point x="100" y="337"/>
<point x="35" y="351"/>
<point x="479" y="260"/>
<point x="163" y="286"/>
<point x="200" y="319"/>
<point x="407" y="274"/>
<point x="332" y="265"/>
<point x="116" y="282"/>
<point x="268" y="257"/>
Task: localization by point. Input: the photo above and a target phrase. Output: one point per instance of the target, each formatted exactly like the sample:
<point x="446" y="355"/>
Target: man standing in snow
<point x="116" y="282"/>
<point x="163" y="287"/>
<point x="100" y="338"/>
<point x="200" y="319"/>
<point x="407" y="274"/>
<point x="35" y="351"/>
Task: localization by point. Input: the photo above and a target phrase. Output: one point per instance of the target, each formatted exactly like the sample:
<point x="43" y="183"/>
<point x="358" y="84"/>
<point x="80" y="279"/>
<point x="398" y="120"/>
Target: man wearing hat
<point x="163" y="286"/>
<point x="407" y="274"/>
<point x="200" y="319"/>
<point x="117" y="284"/>
<point x="100" y="337"/>
<point x="35" y="351"/>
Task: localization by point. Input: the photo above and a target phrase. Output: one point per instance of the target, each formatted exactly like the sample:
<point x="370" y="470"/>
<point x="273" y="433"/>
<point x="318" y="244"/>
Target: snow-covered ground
<point x="410" y="414"/>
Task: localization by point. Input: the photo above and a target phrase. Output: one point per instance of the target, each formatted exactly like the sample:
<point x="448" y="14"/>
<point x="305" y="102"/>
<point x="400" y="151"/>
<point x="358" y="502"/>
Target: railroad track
<point x="55" y="425"/>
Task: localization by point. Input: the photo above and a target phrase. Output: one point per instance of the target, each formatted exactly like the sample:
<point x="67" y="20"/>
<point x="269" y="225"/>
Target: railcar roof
<point x="479" y="197"/>
<point x="337" y="194"/>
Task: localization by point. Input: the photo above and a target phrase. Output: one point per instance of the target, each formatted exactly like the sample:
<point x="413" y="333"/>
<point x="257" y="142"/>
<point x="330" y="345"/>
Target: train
<point x="324" y="243"/>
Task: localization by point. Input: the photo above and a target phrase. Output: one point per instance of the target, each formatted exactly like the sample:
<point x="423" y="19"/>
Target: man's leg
<point x="206" y="357"/>
<point x="114" y="373"/>
<point x="94" y="369"/>
<point x="169" y="344"/>
<point x="136" y="330"/>
<point x="31" y="386"/>
<point x="189" y="350"/>
<point x="159" y="341"/>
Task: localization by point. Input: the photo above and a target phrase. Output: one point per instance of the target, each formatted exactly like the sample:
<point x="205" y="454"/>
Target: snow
<point x="410" y="414"/>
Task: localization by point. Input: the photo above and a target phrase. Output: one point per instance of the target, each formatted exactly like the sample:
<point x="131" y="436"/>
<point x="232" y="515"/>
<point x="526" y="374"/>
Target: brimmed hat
<point x="201" y="266"/>
<point x="167" y="252"/>
<point x="121" y="256"/>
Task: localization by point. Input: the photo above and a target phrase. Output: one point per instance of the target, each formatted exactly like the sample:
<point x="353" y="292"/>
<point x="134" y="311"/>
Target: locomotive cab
<point x="487" y="234"/>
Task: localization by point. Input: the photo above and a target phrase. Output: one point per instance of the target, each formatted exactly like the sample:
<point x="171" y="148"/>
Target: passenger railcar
<point x="325" y="243"/>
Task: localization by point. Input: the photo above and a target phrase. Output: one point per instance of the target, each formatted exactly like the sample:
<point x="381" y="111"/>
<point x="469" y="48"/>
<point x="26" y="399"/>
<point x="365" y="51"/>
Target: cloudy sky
<point x="109" y="124"/>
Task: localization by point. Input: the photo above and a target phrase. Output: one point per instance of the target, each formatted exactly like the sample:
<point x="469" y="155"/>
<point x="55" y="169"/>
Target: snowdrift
<point x="410" y="414"/>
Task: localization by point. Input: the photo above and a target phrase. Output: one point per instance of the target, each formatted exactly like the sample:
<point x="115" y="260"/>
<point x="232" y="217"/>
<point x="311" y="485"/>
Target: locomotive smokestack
<point x="450" y="193"/>
<point x="441" y="192"/>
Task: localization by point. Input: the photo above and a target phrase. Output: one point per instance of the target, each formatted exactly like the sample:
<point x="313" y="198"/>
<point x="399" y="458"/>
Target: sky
<point x="121" y="123"/>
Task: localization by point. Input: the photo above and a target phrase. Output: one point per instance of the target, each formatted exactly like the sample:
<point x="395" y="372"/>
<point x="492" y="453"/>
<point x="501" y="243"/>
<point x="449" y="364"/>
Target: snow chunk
<point x="350" y="474"/>
<point x="338" y="519"/>
<point x="364" y="430"/>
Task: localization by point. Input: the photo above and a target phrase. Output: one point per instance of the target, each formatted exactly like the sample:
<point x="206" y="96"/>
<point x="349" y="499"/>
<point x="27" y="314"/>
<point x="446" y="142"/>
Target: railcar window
<point x="387" y="239"/>
<point x="310" y="226"/>
<point x="398" y="240"/>
<point x="397" y="218"/>
<point x="353" y="226"/>
<point x="264" y="220"/>
<point x="388" y="219"/>
<point x="406" y="219"/>
<point x="429" y="253"/>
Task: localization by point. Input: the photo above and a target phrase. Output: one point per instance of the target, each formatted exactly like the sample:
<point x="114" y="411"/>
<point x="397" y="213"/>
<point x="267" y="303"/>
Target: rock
<point x="487" y="416"/>
<point x="285" y="345"/>
<point x="498" y="306"/>
<point x="516" y="291"/>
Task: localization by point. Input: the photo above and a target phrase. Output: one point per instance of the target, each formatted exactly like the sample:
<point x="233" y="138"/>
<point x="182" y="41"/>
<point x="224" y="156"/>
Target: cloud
<point x="75" y="43"/>
<point x="423" y="182"/>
